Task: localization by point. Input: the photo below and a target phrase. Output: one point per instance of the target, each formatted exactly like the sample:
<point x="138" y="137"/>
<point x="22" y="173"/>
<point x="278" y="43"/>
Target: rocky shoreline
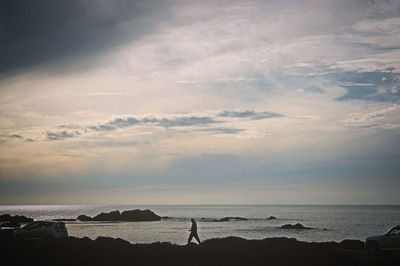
<point x="217" y="251"/>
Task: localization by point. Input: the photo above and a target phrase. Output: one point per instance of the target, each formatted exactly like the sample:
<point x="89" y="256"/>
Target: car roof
<point x="44" y="221"/>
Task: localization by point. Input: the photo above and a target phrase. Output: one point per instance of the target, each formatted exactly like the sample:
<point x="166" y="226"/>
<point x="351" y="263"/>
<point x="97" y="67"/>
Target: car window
<point x="395" y="231"/>
<point x="60" y="225"/>
<point x="32" y="225"/>
<point x="45" y="224"/>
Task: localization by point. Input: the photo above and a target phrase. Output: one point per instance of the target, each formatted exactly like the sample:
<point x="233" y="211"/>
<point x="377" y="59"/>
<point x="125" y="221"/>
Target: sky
<point x="199" y="102"/>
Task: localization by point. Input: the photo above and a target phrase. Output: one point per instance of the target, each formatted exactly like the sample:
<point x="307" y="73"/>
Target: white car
<point x="41" y="230"/>
<point x="387" y="242"/>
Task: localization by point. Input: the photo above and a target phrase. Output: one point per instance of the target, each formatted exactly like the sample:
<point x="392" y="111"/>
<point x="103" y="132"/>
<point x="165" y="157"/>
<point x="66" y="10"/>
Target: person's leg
<point x="190" y="237"/>
<point x="197" y="238"/>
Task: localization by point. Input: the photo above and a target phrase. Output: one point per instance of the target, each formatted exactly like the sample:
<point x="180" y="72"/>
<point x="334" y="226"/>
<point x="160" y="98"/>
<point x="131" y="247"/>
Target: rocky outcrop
<point x="84" y="218"/>
<point x="15" y="218"/>
<point x="11" y="224"/>
<point x="64" y="220"/>
<point x="126" y="216"/>
<point x="110" y="216"/>
<point x="139" y="215"/>
<point x="297" y="226"/>
<point x="220" y="251"/>
<point x="227" y="219"/>
<point x="272" y="218"/>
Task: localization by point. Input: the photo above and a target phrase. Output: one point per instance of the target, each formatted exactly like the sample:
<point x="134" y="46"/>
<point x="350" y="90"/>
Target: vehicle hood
<point x="375" y="237"/>
<point x="17" y="230"/>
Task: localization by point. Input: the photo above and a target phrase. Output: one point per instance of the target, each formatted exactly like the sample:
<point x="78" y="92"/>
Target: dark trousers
<point x="195" y="235"/>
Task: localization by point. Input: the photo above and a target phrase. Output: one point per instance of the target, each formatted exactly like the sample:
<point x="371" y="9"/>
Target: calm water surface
<point x="341" y="222"/>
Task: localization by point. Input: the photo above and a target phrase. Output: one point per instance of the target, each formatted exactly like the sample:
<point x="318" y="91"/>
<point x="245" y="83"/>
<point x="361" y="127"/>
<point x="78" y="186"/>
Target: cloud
<point x="170" y="121"/>
<point x="372" y="116"/>
<point x="34" y="33"/>
<point x="180" y="121"/>
<point x="61" y="135"/>
<point x="163" y="122"/>
<point x="222" y="130"/>
<point x="249" y="114"/>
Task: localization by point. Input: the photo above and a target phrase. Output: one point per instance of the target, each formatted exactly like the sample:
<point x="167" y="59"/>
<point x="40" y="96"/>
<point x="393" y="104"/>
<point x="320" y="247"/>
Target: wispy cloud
<point x="372" y="116"/>
<point x="170" y="121"/>
<point x="153" y="121"/>
<point x="222" y="130"/>
<point x="61" y="135"/>
<point x="249" y="114"/>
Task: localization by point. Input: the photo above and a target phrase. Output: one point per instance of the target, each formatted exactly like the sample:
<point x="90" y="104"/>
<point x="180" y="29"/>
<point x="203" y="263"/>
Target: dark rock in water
<point x="84" y="218"/>
<point x="5" y="217"/>
<point x="64" y="220"/>
<point x="350" y="244"/>
<point x="111" y="216"/>
<point x="296" y="226"/>
<point x="126" y="216"/>
<point x="227" y="219"/>
<point x="16" y="218"/>
<point x="11" y="224"/>
<point x="139" y="215"/>
<point x="272" y="218"/>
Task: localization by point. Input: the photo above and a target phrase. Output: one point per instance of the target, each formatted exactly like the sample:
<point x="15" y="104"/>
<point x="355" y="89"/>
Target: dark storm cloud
<point x="249" y="114"/>
<point x="61" y="135"/>
<point x="37" y="32"/>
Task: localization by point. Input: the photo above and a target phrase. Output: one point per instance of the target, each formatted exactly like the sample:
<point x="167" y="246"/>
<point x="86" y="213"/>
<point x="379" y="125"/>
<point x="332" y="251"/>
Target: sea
<point x="329" y="222"/>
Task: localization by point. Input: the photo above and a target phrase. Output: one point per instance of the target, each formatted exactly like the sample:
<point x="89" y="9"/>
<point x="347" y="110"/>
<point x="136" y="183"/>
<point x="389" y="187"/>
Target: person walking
<point x="193" y="232"/>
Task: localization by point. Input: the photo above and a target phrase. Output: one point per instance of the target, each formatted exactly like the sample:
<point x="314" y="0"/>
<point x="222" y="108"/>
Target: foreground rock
<point x="220" y="251"/>
<point x="15" y="218"/>
<point x="351" y="244"/>
<point x="126" y="216"/>
<point x="227" y="219"/>
<point x="11" y="224"/>
<point x="295" y="226"/>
